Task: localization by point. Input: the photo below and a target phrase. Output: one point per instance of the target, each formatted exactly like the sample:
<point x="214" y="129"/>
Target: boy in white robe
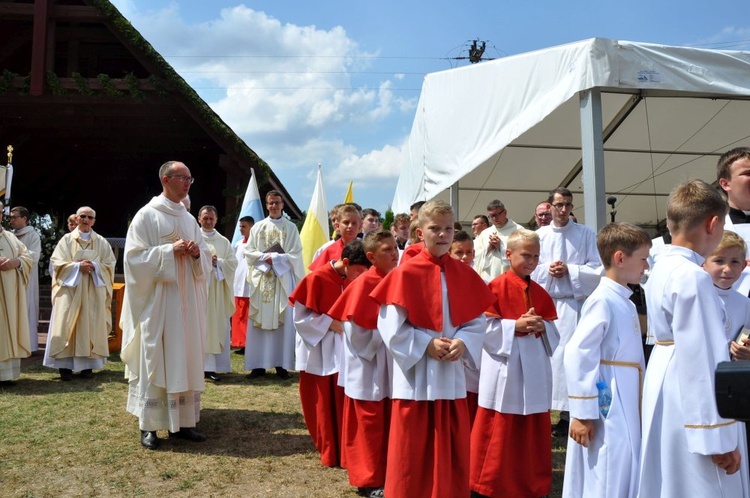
<point x="604" y="450"/>
<point x="726" y="265"/>
<point x="220" y="296"/>
<point x="687" y="448"/>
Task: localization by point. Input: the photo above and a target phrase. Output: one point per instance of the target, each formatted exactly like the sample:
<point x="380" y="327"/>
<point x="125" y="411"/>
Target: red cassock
<point x="364" y="438"/>
<point x="239" y="321"/>
<point x="428" y="453"/>
<point x="511" y="454"/>
<point x="321" y="398"/>
<point x="330" y="253"/>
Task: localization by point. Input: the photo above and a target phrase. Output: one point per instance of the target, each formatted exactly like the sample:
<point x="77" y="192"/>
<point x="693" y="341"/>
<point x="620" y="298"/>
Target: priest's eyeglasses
<point x="84" y="216"/>
<point x="184" y="178"/>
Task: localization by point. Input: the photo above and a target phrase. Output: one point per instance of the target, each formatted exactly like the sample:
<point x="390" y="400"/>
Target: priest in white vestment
<point x="19" y="222"/>
<point x="569" y="270"/>
<point x="15" y="265"/>
<point x="490" y="260"/>
<point x="83" y="268"/>
<point x="164" y="312"/>
<point x="220" y="295"/>
<point x="274" y="260"/>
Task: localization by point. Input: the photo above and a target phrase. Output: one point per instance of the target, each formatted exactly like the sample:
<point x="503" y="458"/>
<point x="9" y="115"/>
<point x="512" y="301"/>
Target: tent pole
<point x="454" y="201"/>
<point x="592" y="148"/>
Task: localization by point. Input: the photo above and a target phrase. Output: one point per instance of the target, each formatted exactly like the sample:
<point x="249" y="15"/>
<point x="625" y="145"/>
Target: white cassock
<point x="491" y="263"/>
<point x="164" y="317"/>
<point x="241" y="286"/>
<point x="14" y="331"/>
<point x="270" y="326"/>
<point x="737" y="317"/>
<point x="220" y="303"/>
<point x="575" y="245"/>
<point x="681" y="425"/>
<point x="30" y="238"/>
<point x="743" y="230"/>
<point x="81" y="319"/>
<point x="606" y="346"/>
<point x="416" y="375"/>
<point x="366" y="364"/>
<point x="516" y="376"/>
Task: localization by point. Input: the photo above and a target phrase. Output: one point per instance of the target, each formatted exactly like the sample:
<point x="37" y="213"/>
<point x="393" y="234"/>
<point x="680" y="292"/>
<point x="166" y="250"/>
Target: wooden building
<point x="93" y="110"/>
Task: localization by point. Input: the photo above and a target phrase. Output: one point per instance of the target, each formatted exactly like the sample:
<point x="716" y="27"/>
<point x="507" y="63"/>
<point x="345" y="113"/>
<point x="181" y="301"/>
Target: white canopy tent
<point x="516" y="128"/>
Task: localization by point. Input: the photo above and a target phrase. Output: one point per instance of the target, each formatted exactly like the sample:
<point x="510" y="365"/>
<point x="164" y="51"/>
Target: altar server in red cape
<point x="347" y="224"/>
<point x="364" y="370"/>
<point x="431" y="318"/>
<point x="319" y="347"/>
<point x="511" y="445"/>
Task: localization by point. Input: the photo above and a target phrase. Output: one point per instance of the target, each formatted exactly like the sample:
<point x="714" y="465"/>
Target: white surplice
<point x="30" y="238"/>
<point x="241" y="285"/>
<point x="366" y="364"/>
<point x="164" y="317"/>
<point x="220" y="303"/>
<point x="270" y="326"/>
<point x="491" y="263"/>
<point x="14" y="321"/>
<point x="575" y="245"/>
<point x="416" y="375"/>
<point x="516" y="375"/>
<point x="608" y="332"/>
<point x="318" y="348"/>
<point x="681" y="425"/>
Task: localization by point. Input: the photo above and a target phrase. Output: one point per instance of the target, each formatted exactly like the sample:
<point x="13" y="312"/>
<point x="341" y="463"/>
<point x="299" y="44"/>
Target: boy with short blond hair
<point x="431" y="317"/>
<point x="318" y="348"/>
<point x="604" y="448"/>
<point x="364" y="370"/>
<point x="684" y="437"/>
<point x="348" y="223"/>
<point x="511" y="446"/>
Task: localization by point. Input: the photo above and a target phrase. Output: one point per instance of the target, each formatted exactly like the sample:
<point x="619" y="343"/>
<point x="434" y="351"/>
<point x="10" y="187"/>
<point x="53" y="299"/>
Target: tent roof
<point x="511" y="128"/>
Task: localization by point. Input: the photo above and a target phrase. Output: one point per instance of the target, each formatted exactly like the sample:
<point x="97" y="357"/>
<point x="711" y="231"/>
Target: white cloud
<point x="295" y="94"/>
<point x="382" y="164"/>
<point x="729" y="38"/>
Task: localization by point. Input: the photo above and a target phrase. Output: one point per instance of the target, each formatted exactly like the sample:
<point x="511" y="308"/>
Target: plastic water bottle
<point x="605" y="398"/>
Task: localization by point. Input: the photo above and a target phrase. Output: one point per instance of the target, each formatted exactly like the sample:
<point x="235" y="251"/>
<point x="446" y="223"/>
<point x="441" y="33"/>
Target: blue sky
<point x="337" y="82"/>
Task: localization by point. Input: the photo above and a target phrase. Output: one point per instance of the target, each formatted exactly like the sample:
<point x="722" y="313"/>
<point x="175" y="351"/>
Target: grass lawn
<point x="75" y="439"/>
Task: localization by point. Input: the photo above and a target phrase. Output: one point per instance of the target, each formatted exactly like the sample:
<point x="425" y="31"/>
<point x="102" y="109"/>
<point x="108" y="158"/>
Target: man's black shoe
<point x="370" y="492"/>
<point x="212" y="376"/>
<point x="87" y="374"/>
<point x="66" y="374"/>
<point x="149" y="440"/>
<point x="256" y="372"/>
<point x="282" y="373"/>
<point x="188" y="433"/>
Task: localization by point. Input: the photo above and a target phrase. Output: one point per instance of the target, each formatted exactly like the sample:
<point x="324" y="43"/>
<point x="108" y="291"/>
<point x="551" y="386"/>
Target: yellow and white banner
<point x="315" y="230"/>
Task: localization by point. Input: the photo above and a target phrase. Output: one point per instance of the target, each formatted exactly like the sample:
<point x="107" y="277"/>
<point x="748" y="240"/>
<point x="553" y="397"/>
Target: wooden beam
<point x="39" y="47"/>
<point x="70" y="13"/>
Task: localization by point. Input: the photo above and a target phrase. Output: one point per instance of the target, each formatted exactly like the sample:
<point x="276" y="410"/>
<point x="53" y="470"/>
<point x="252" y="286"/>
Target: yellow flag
<point x="349" y="197"/>
<point x="315" y="230"/>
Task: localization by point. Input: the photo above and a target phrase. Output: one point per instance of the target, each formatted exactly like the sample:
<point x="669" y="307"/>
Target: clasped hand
<point x="8" y="264"/>
<point x="186" y="248"/>
<point x="530" y="323"/>
<point x="445" y="349"/>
